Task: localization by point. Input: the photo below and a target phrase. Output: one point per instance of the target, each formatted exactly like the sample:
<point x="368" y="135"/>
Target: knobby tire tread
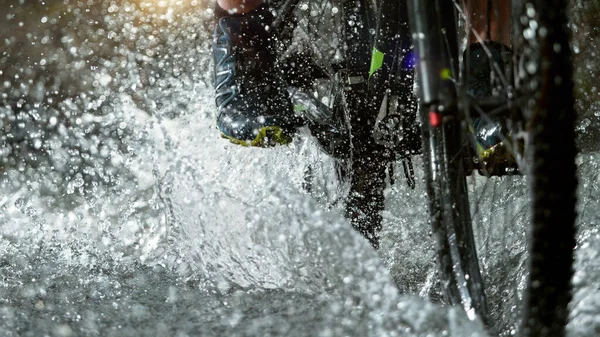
<point x="552" y="179"/>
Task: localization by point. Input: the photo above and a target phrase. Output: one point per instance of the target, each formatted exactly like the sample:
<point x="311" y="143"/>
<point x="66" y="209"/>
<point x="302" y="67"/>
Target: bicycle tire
<point x="550" y="121"/>
<point x="541" y="108"/>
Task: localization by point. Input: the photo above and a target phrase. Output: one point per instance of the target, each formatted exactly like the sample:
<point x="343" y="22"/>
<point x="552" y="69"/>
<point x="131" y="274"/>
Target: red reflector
<point x="435" y="118"/>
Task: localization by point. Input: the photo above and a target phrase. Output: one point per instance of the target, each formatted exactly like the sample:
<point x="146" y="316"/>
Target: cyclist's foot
<point x="253" y="106"/>
<point x="486" y="79"/>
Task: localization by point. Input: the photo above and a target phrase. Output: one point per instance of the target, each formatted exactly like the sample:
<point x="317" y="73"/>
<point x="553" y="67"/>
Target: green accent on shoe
<point x="267" y="136"/>
<point x="376" y="61"/>
<point x="480" y="149"/>
<point x="299" y="107"/>
<point x="489" y="154"/>
<point x="471" y="128"/>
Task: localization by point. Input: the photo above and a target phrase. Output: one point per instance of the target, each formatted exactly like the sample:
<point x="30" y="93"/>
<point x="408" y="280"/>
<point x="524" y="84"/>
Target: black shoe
<point x="253" y="105"/>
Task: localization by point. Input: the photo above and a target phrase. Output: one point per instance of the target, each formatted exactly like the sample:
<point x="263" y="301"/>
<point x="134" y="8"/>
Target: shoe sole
<point x="267" y="136"/>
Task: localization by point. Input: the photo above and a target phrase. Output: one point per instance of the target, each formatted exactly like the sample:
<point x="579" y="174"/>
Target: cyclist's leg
<point x="253" y="106"/>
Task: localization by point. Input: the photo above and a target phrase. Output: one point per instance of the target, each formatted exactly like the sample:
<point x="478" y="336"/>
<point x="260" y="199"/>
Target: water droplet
<point x="584" y="124"/>
<point x="533" y="24"/>
<point x="557" y="48"/>
<point x="529" y="34"/>
<point x="37" y="143"/>
<point x="531" y="67"/>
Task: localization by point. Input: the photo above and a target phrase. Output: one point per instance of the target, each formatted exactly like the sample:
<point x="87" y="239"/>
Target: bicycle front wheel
<point x="532" y="104"/>
<point x="523" y="199"/>
<point x="544" y="81"/>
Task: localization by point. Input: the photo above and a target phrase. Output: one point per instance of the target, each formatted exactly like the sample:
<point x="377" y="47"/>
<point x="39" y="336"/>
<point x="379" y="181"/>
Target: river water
<point x="172" y="231"/>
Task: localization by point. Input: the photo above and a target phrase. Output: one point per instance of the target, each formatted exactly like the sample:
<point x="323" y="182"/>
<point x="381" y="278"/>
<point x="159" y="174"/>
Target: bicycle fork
<point x="434" y="34"/>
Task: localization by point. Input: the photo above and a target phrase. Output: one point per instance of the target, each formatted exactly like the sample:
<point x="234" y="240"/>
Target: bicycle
<point x="362" y="114"/>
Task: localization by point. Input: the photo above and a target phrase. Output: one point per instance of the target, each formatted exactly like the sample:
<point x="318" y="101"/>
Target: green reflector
<point x="446" y="74"/>
<point x="376" y="61"/>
